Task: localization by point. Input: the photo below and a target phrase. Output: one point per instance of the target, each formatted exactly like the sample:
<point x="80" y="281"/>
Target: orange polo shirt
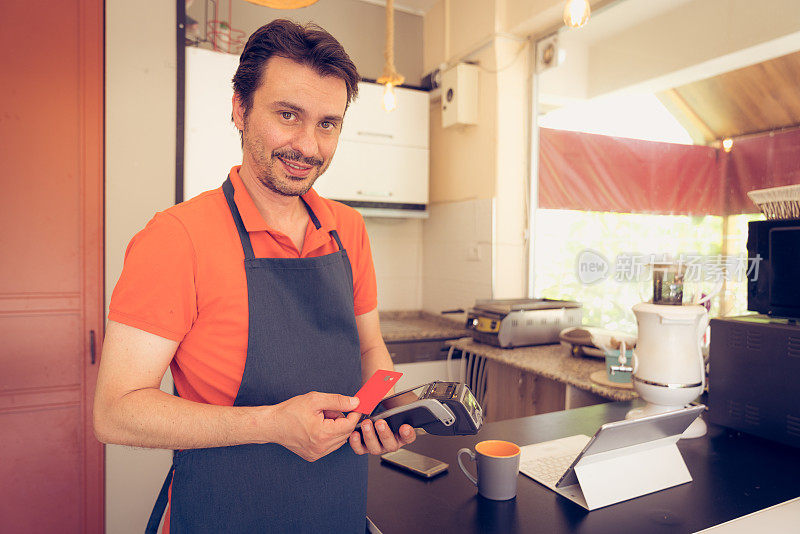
<point x="183" y="279"/>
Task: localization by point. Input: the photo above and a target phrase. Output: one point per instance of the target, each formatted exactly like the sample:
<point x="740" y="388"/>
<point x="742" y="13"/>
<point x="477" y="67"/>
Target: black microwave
<point x="774" y="289"/>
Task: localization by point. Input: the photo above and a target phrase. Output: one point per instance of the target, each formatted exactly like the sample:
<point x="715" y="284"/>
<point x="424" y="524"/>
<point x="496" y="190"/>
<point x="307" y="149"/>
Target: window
<point x="628" y="242"/>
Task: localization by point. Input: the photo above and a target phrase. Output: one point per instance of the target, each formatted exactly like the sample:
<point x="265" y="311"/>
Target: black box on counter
<point x="754" y="376"/>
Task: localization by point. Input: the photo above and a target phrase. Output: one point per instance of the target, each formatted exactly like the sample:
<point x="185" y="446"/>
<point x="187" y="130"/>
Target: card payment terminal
<point x="440" y="408"/>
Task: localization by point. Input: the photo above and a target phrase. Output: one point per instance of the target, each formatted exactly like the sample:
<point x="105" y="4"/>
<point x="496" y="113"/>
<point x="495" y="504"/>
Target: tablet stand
<point x="621" y="474"/>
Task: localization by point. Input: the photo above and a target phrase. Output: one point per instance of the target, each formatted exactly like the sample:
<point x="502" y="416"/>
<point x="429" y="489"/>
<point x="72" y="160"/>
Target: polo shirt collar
<point x="254" y="222"/>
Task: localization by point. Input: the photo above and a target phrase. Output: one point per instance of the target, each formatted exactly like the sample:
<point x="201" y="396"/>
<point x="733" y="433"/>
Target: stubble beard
<point x="270" y="174"/>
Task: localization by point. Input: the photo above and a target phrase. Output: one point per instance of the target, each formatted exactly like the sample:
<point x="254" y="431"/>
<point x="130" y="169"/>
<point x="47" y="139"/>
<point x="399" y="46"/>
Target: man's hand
<point x="379" y="438"/>
<point x="303" y="428"/>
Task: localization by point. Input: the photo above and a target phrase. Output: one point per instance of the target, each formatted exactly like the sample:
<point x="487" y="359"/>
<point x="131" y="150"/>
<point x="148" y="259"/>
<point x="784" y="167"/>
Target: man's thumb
<point x="342" y="403"/>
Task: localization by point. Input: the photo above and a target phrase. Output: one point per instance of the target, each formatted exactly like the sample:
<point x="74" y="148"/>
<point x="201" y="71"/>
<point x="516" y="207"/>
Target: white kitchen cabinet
<point x="211" y="141"/>
<point x="366" y="121"/>
<point x="381" y="157"/>
<point x="372" y="172"/>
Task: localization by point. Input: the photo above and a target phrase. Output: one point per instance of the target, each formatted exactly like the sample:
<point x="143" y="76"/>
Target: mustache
<point x="296" y="155"/>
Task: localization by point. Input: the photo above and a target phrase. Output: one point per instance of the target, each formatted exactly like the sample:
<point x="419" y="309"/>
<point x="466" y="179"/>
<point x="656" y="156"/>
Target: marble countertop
<point x="550" y="361"/>
<point x="400" y="326"/>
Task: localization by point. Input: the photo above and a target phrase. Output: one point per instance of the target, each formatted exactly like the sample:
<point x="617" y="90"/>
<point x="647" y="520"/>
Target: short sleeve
<point x="156" y="290"/>
<point x="365" y="287"/>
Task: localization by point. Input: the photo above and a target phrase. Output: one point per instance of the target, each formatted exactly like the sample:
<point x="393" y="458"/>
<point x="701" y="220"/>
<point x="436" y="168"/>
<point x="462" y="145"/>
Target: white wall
<point x="537" y="17"/>
<point x="692" y="34"/>
<point x="457" y="255"/>
<point x="636" y="45"/>
<point x="140" y="180"/>
<point x="359" y="26"/>
<point x="397" y="253"/>
<point x="483" y="166"/>
<point x="568" y="82"/>
<point x="513" y="147"/>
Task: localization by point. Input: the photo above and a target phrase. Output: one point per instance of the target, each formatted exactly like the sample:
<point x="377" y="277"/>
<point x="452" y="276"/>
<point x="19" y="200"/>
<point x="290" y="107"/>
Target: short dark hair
<point x="309" y="45"/>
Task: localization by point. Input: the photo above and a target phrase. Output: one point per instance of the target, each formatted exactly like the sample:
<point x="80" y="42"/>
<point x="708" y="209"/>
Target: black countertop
<point x="734" y="474"/>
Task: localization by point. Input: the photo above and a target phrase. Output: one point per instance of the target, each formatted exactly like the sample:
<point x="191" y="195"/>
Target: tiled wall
<point x="397" y="254"/>
<point x="457" y="255"/>
<point x="440" y="263"/>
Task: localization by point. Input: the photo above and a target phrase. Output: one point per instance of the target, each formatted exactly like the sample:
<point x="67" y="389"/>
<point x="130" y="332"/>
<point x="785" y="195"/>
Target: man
<point x="261" y="298"/>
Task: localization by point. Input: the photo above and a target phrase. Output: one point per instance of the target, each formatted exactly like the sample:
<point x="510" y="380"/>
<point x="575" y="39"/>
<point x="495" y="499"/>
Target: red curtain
<point x="592" y="172"/>
<point x="759" y="162"/>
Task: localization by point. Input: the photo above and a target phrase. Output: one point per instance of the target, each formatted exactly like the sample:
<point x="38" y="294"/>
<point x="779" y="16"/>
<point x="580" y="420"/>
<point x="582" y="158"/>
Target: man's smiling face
<point x="291" y="130"/>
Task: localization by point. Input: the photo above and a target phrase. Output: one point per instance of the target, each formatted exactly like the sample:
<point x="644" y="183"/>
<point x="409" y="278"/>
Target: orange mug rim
<point x="489" y="442"/>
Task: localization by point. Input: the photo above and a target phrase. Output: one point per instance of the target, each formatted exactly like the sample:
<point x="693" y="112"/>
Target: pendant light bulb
<point x="576" y="13"/>
<point x="390" y="77"/>
<point x="389" y="98"/>
<point x="727" y="144"/>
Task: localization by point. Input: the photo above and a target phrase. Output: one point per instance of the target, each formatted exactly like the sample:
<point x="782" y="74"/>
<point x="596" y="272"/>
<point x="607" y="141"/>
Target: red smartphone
<point x="376" y="389"/>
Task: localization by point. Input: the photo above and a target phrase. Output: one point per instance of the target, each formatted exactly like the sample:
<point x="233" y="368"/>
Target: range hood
<point x="394" y="210"/>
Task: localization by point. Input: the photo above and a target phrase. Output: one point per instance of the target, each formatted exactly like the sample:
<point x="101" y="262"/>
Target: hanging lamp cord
<point x="390" y="75"/>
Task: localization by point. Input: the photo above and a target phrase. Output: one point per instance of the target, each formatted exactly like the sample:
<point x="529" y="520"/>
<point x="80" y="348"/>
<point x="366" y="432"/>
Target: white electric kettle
<point x="668" y="366"/>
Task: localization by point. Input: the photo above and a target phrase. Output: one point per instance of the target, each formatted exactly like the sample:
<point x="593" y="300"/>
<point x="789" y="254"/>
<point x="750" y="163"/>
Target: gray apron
<point x="302" y="337"/>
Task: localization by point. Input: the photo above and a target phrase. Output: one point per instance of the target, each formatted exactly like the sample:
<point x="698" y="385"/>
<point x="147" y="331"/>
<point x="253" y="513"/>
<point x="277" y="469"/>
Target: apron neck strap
<point x="244" y="236"/>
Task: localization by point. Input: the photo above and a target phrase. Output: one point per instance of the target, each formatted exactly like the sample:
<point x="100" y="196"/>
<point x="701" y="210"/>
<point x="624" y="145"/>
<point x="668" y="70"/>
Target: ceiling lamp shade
<point x="283" y="4"/>
<point x="390" y="77"/>
<point x="576" y="13"/>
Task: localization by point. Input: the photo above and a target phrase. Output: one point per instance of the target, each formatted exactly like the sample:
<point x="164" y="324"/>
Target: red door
<point x="51" y="200"/>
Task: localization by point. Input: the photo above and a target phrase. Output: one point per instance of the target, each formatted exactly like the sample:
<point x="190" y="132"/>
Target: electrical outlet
<point x="473" y="253"/>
